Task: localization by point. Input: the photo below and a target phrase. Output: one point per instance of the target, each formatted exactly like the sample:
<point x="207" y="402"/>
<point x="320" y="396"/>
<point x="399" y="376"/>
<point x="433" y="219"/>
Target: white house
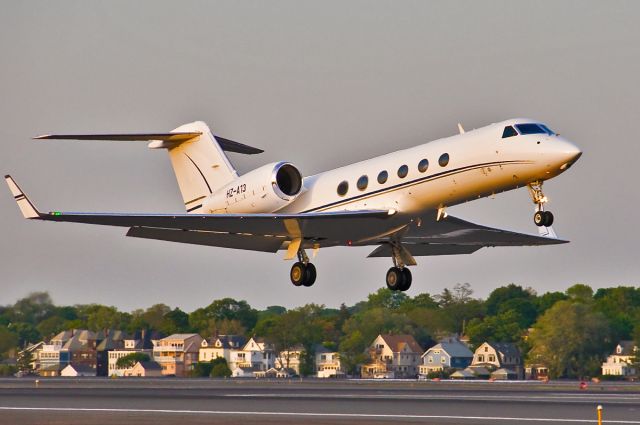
<point x="220" y="346"/>
<point x="142" y="342"/>
<point x="256" y="355"/>
<point x="328" y="364"/>
<point x="78" y="370"/>
<point x="393" y="356"/>
<point x="620" y="363"/>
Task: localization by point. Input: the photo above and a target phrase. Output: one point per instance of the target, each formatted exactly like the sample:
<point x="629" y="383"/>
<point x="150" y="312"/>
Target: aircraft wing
<point x="261" y="232"/>
<point x="453" y="235"/>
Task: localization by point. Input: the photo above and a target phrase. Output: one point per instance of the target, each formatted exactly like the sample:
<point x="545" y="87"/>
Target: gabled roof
<point x="506" y="348"/>
<point x="453" y="348"/>
<point x="110" y="343"/>
<point x="627" y="348"/>
<point x="397" y="342"/>
<point x="79" y="341"/>
<point x="150" y="365"/>
<point x="180" y="336"/>
<point x="81" y="368"/>
<point x="227" y="341"/>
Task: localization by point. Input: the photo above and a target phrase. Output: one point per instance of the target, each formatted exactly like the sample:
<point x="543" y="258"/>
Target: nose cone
<point x="566" y="153"/>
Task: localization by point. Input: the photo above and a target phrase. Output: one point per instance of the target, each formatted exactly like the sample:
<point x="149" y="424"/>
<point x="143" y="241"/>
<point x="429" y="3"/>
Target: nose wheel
<point x="541" y="217"/>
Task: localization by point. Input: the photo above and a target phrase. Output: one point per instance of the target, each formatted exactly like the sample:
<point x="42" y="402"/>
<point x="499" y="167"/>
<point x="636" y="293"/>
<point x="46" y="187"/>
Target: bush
<point x="221" y="370"/>
<point x="612" y="378"/>
<point x="131" y="359"/>
<point x="441" y="374"/>
<point x="7" y="370"/>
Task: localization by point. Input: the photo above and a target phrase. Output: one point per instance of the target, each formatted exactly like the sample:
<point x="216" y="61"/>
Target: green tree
<point x="175" y="321"/>
<point x="8" y="341"/>
<point x="570" y="338"/>
<point x="130" y="360"/>
<point x="25" y="362"/>
<point x="220" y="368"/>
<point x="580" y="293"/>
<point x="503" y="294"/>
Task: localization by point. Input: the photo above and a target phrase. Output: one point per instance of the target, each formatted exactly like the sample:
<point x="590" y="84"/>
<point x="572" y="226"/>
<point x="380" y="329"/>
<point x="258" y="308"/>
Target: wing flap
<point x="222" y="240"/>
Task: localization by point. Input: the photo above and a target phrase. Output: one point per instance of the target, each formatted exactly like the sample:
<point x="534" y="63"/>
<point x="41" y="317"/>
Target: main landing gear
<point x="399" y="276"/>
<point x="303" y="273"/>
<point x="541" y="217"/>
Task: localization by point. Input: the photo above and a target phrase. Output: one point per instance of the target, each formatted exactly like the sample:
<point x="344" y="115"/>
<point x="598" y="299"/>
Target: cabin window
<point x="509" y="132"/>
<point x="343" y="188"/>
<point x="383" y="176"/>
<point x="423" y="165"/>
<point x="403" y="171"/>
<point x="363" y="182"/>
<point x="444" y="160"/>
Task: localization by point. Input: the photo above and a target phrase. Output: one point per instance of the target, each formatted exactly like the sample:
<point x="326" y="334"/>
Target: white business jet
<point x="396" y="202"/>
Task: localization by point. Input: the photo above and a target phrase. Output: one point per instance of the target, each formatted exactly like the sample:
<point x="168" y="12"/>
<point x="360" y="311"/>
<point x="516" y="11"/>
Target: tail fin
<point x="200" y="165"/>
<point x="197" y="156"/>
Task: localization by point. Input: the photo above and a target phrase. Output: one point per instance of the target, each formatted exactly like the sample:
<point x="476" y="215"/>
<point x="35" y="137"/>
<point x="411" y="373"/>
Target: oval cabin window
<point x="423" y="165"/>
<point x="363" y="182"/>
<point x="403" y="171"/>
<point x="343" y="188"/>
<point x="444" y="160"/>
<point x="382" y="177"/>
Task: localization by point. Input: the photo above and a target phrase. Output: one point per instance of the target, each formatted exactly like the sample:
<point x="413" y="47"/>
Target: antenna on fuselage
<point x="460" y="129"/>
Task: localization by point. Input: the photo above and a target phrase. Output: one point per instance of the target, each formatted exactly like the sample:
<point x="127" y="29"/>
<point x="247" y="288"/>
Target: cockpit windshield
<point x="531" y="128"/>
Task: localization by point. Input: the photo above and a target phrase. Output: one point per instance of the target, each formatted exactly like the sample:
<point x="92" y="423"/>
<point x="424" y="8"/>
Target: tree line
<point x="570" y="332"/>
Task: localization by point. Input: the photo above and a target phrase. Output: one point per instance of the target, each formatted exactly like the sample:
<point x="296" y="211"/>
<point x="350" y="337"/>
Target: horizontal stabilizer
<point x="166" y="140"/>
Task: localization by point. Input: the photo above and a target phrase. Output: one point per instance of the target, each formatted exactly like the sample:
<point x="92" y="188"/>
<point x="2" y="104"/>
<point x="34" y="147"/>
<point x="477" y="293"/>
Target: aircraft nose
<point x="568" y="153"/>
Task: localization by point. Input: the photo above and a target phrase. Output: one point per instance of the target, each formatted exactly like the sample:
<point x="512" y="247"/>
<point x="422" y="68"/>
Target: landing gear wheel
<point x="406" y="279"/>
<point x="309" y="275"/>
<point x="298" y="273"/>
<point x="538" y="218"/>
<point x="395" y="278"/>
<point x="548" y="218"/>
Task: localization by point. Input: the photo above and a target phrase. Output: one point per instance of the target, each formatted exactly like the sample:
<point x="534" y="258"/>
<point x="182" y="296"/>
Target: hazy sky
<point x="321" y="84"/>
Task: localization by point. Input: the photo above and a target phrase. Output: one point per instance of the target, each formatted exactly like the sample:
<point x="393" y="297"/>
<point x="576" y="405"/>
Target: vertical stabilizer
<point x="200" y="165"/>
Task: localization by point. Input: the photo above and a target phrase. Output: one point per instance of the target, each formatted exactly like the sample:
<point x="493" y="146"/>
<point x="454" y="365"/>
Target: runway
<point x="171" y="401"/>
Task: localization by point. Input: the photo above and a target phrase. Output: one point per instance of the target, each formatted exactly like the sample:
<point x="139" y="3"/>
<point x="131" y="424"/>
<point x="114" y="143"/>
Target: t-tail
<point x="197" y="156"/>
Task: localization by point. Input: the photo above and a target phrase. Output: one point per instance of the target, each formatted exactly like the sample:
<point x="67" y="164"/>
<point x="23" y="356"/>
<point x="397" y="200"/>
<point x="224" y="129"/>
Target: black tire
<point x="394" y="278"/>
<point x="406" y="279"/>
<point x="548" y="218"/>
<point x="538" y="218"/>
<point x="309" y="275"/>
<point x="298" y="273"/>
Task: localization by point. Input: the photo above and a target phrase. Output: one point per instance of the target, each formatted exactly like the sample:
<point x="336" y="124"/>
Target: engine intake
<point x="288" y="180"/>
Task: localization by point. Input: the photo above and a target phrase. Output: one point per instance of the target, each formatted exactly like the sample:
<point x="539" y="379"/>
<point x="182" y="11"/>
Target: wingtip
<point x="42" y="136"/>
<point x="26" y="207"/>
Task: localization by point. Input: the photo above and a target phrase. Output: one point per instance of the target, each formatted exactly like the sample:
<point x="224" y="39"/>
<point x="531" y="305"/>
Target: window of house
<point x="443" y="360"/>
<point x="443" y="160"/>
<point x="492" y="358"/>
<point x="481" y="358"/>
<point x="509" y="131"/>
<point x="403" y="171"/>
<point x="363" y="182"/>
<point x="383" y="176"/>
<point x="343" y="188"/>
<point x="423" y="165"/>
<point x="430" y="359"/>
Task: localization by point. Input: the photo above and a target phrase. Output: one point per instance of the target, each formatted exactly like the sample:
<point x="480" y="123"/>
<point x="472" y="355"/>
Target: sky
<point x="321" y="84"/>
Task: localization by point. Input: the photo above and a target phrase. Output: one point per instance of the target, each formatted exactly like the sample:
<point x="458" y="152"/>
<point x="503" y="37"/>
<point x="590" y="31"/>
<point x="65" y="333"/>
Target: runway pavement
<point x="174" y="401"/>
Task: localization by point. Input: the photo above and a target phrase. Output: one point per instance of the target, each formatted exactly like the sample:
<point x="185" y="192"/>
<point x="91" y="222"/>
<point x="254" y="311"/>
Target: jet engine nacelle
<point x="266" y="189"/>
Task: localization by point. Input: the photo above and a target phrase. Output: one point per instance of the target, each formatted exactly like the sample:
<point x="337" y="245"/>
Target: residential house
<point x="35" y="350"/>
<point x="177" y="353"/>
<point x="535" y="367"/>
<point x="220" y="346"/>
<point x="256" y="355"/>
<point x="290" y="359"/>
<point x="140" y="342"/>
<point x="393" y="356"/>
<point x="620" y="363"/>
<point x="78" y="370"/>
<point x="449" y="353"/>
<point x="82" y="348"/>
<point x="499" y="355"/>
<point x="145" y="369"/>
<point x="113" y="340"/>
<point x="328" y="364"/>
<point x="51" y="357"/>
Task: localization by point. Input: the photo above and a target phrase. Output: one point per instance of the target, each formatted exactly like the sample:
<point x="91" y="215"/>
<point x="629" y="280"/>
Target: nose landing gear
<point x="541" y="217"/>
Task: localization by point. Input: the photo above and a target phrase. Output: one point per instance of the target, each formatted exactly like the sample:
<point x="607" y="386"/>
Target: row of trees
<point x="570" y="332"/>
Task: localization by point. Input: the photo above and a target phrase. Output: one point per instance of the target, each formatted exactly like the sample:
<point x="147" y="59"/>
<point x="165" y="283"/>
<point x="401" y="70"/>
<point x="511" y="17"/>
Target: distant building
<point x="499" y="355"/>
<point x="113" y="340"/>
<point x="290" y="359"/>
<point x="35" y="350"/>
<point x="82" y="348"/>
<point x="620" y="362"/>
<point x="177" y="353"/>
<point x="51" y="357"/>
<point x="449" y="353"/>
<point x="140" y="342"/>
<point x="328" y="364"/>
<point x="220" y="346"/>
<point x="393" y="356"/>
<point x="144" y="369"/>
<point x="257" y="355"/>
<point x="78" y="370"/>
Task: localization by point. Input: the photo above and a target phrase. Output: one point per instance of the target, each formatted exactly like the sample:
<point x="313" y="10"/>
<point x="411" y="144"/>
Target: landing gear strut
<point x="541" y="217"/>
<point x="399" y="276"/>
<point x="303" y="273"/>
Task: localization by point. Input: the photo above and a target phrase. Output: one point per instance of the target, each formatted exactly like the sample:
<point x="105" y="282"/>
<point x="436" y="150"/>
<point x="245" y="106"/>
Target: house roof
<point x="150" y="365"/>
<point x="506" y="348"/>
<point x="396" y="342"/>
<point x="627" y="348"/>
<point x="81" y="368"/>
<point x="503" y="371"/>
<point x="453" y="348"/>
<point x="478" y="370"/>
<point x="180" y="336"/>
<point x="466" y="373"/>
<point x="79" y="340"/>
<point x="111" y="342"/>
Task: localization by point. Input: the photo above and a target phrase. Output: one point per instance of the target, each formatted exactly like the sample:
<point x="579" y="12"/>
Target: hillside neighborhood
<point x="510" y="336"/>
